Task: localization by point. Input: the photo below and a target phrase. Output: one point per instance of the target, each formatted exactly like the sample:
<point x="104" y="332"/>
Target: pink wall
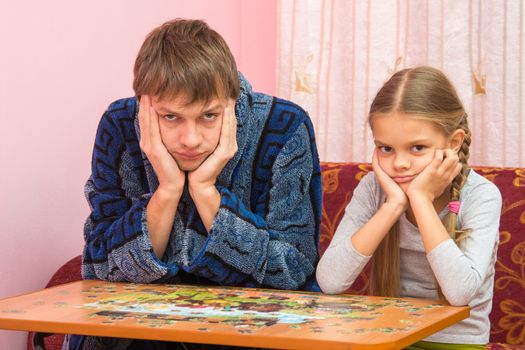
<point x="62" y="63"/>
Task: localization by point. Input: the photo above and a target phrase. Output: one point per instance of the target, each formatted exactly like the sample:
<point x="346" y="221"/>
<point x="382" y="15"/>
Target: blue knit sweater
<point x="266" y="231"/>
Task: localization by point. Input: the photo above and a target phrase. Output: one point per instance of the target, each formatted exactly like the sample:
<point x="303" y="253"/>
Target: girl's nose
<point x="402" y="162"/>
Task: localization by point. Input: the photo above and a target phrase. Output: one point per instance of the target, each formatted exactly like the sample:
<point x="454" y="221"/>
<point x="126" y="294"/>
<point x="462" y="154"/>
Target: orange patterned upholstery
<point x="508" y="312"/>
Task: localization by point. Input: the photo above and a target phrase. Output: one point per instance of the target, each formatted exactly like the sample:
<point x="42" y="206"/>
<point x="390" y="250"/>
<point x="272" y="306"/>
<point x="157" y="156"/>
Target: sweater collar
<point x="245" y="118"/>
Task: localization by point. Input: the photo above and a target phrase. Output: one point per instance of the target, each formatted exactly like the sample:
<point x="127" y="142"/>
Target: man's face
<point x="190" y="132"/>
<point x="406" y="145"/>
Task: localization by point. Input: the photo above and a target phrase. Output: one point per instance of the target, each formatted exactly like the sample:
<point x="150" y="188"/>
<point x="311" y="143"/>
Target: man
<point x="202" y="181"/>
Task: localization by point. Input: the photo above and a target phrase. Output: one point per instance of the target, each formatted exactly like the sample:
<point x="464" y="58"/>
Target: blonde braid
<point x="451" y="219"/>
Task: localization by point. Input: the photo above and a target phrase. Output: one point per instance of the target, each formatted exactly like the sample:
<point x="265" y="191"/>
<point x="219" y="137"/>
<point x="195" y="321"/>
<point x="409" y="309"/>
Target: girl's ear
<point x="456" y="140"/>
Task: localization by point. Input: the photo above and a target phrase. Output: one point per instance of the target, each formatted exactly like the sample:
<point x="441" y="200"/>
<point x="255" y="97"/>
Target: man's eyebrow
<point x="213" y="108"/>
<point x="163" y="110"/>
<point x="216" y="107"/>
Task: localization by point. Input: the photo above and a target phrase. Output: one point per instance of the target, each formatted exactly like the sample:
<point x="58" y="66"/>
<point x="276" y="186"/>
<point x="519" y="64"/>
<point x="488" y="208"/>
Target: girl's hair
<point x="185" y="56"/>
<point x="427" y="94"/>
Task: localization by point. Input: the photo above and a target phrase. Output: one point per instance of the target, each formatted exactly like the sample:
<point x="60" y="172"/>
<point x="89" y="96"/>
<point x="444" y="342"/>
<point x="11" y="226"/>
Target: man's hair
<point x="188" y="57"/>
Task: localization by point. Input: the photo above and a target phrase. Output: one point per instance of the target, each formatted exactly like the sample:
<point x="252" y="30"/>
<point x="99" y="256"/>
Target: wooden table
<point x="228" y="315"/>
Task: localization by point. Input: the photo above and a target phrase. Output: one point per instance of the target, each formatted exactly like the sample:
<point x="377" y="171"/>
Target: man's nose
<point x="191" y="136"/>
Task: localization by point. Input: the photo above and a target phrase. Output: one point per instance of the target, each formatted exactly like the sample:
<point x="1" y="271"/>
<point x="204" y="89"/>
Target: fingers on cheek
<point x="436" y="164"/>
<point x="453" y="161"/>
<point x="145" y="147"/>
<point x="152" y="116"/>
<point x="374" y="157"/>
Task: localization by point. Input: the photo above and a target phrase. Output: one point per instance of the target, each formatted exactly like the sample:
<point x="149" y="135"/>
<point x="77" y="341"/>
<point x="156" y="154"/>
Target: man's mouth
<point x="189" y="156"/>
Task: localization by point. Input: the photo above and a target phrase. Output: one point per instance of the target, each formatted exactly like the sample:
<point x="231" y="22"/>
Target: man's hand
<point x="394" y="193"/>
<point x="171" y="178"/>
<point x="202" y="180"/>
<point x="162" y="207"/>
<point x="205" y="175"/>
<point x="436" y="177"/>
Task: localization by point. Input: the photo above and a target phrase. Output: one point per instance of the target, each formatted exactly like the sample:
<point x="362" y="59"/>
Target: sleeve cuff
<point x="444" y="248"/>
<point x="350" y="249"/>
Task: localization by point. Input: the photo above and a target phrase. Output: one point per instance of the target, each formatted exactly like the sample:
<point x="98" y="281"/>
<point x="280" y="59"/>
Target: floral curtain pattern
<point x="333" y="56"/>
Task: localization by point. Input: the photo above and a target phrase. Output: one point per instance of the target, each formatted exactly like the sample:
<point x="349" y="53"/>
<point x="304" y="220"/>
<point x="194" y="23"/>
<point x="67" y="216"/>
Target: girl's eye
<point x="418" y="148"/>
<point x="385" y="149"/>
<point x="170" y="117"/>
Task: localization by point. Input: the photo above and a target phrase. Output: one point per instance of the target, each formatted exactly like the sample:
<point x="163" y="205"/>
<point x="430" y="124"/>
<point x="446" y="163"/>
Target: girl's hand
<point x="436" y="177"/>
<point x="394" y="193"/>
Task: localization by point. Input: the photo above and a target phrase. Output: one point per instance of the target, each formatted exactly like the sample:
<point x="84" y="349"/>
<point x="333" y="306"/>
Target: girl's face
<point x="406" y="145"/>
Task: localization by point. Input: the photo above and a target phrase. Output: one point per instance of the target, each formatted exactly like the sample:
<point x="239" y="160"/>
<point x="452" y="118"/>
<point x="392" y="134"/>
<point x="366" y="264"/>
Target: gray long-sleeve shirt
<point x="465" y="273"/>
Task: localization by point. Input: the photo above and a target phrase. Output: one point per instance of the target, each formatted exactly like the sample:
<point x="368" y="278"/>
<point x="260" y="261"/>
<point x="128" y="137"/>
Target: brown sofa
<point x="340" y="179"/>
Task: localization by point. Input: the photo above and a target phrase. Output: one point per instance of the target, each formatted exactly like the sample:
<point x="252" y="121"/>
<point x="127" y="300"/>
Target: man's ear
<point x="456" y="140"/>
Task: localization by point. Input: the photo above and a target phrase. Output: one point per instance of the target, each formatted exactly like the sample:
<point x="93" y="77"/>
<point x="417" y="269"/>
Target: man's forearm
<point x="208" y="201"/>
<point x="160" y="214"/>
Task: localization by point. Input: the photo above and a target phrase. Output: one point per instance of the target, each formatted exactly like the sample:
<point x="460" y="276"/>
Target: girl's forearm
<point x="366" y="240"/>
<point x="429" y="223"/>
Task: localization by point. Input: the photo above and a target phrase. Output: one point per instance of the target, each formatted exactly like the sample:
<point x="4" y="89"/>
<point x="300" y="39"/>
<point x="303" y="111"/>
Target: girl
<point x="429" y="222"/>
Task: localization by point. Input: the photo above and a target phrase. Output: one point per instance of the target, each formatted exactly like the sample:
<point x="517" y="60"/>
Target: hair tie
<point x="453" y="207"/>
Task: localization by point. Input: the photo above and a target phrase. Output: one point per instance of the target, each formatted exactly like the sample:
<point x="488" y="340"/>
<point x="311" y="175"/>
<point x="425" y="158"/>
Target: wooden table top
<point x="228" y="315"/>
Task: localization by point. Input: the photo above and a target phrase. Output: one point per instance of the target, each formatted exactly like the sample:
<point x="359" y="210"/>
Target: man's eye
<point x="170" y="117"/>
<point x="209" y="116"/>
<point x="385" y="149"/>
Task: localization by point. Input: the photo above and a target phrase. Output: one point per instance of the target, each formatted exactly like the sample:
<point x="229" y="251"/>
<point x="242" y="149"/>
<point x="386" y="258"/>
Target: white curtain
<point x="335" y="55"/>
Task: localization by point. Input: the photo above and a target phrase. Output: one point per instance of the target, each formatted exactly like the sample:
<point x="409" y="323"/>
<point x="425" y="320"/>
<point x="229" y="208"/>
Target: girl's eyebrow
<point x="422" y="140"/>
<point x="416" y="141"/>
